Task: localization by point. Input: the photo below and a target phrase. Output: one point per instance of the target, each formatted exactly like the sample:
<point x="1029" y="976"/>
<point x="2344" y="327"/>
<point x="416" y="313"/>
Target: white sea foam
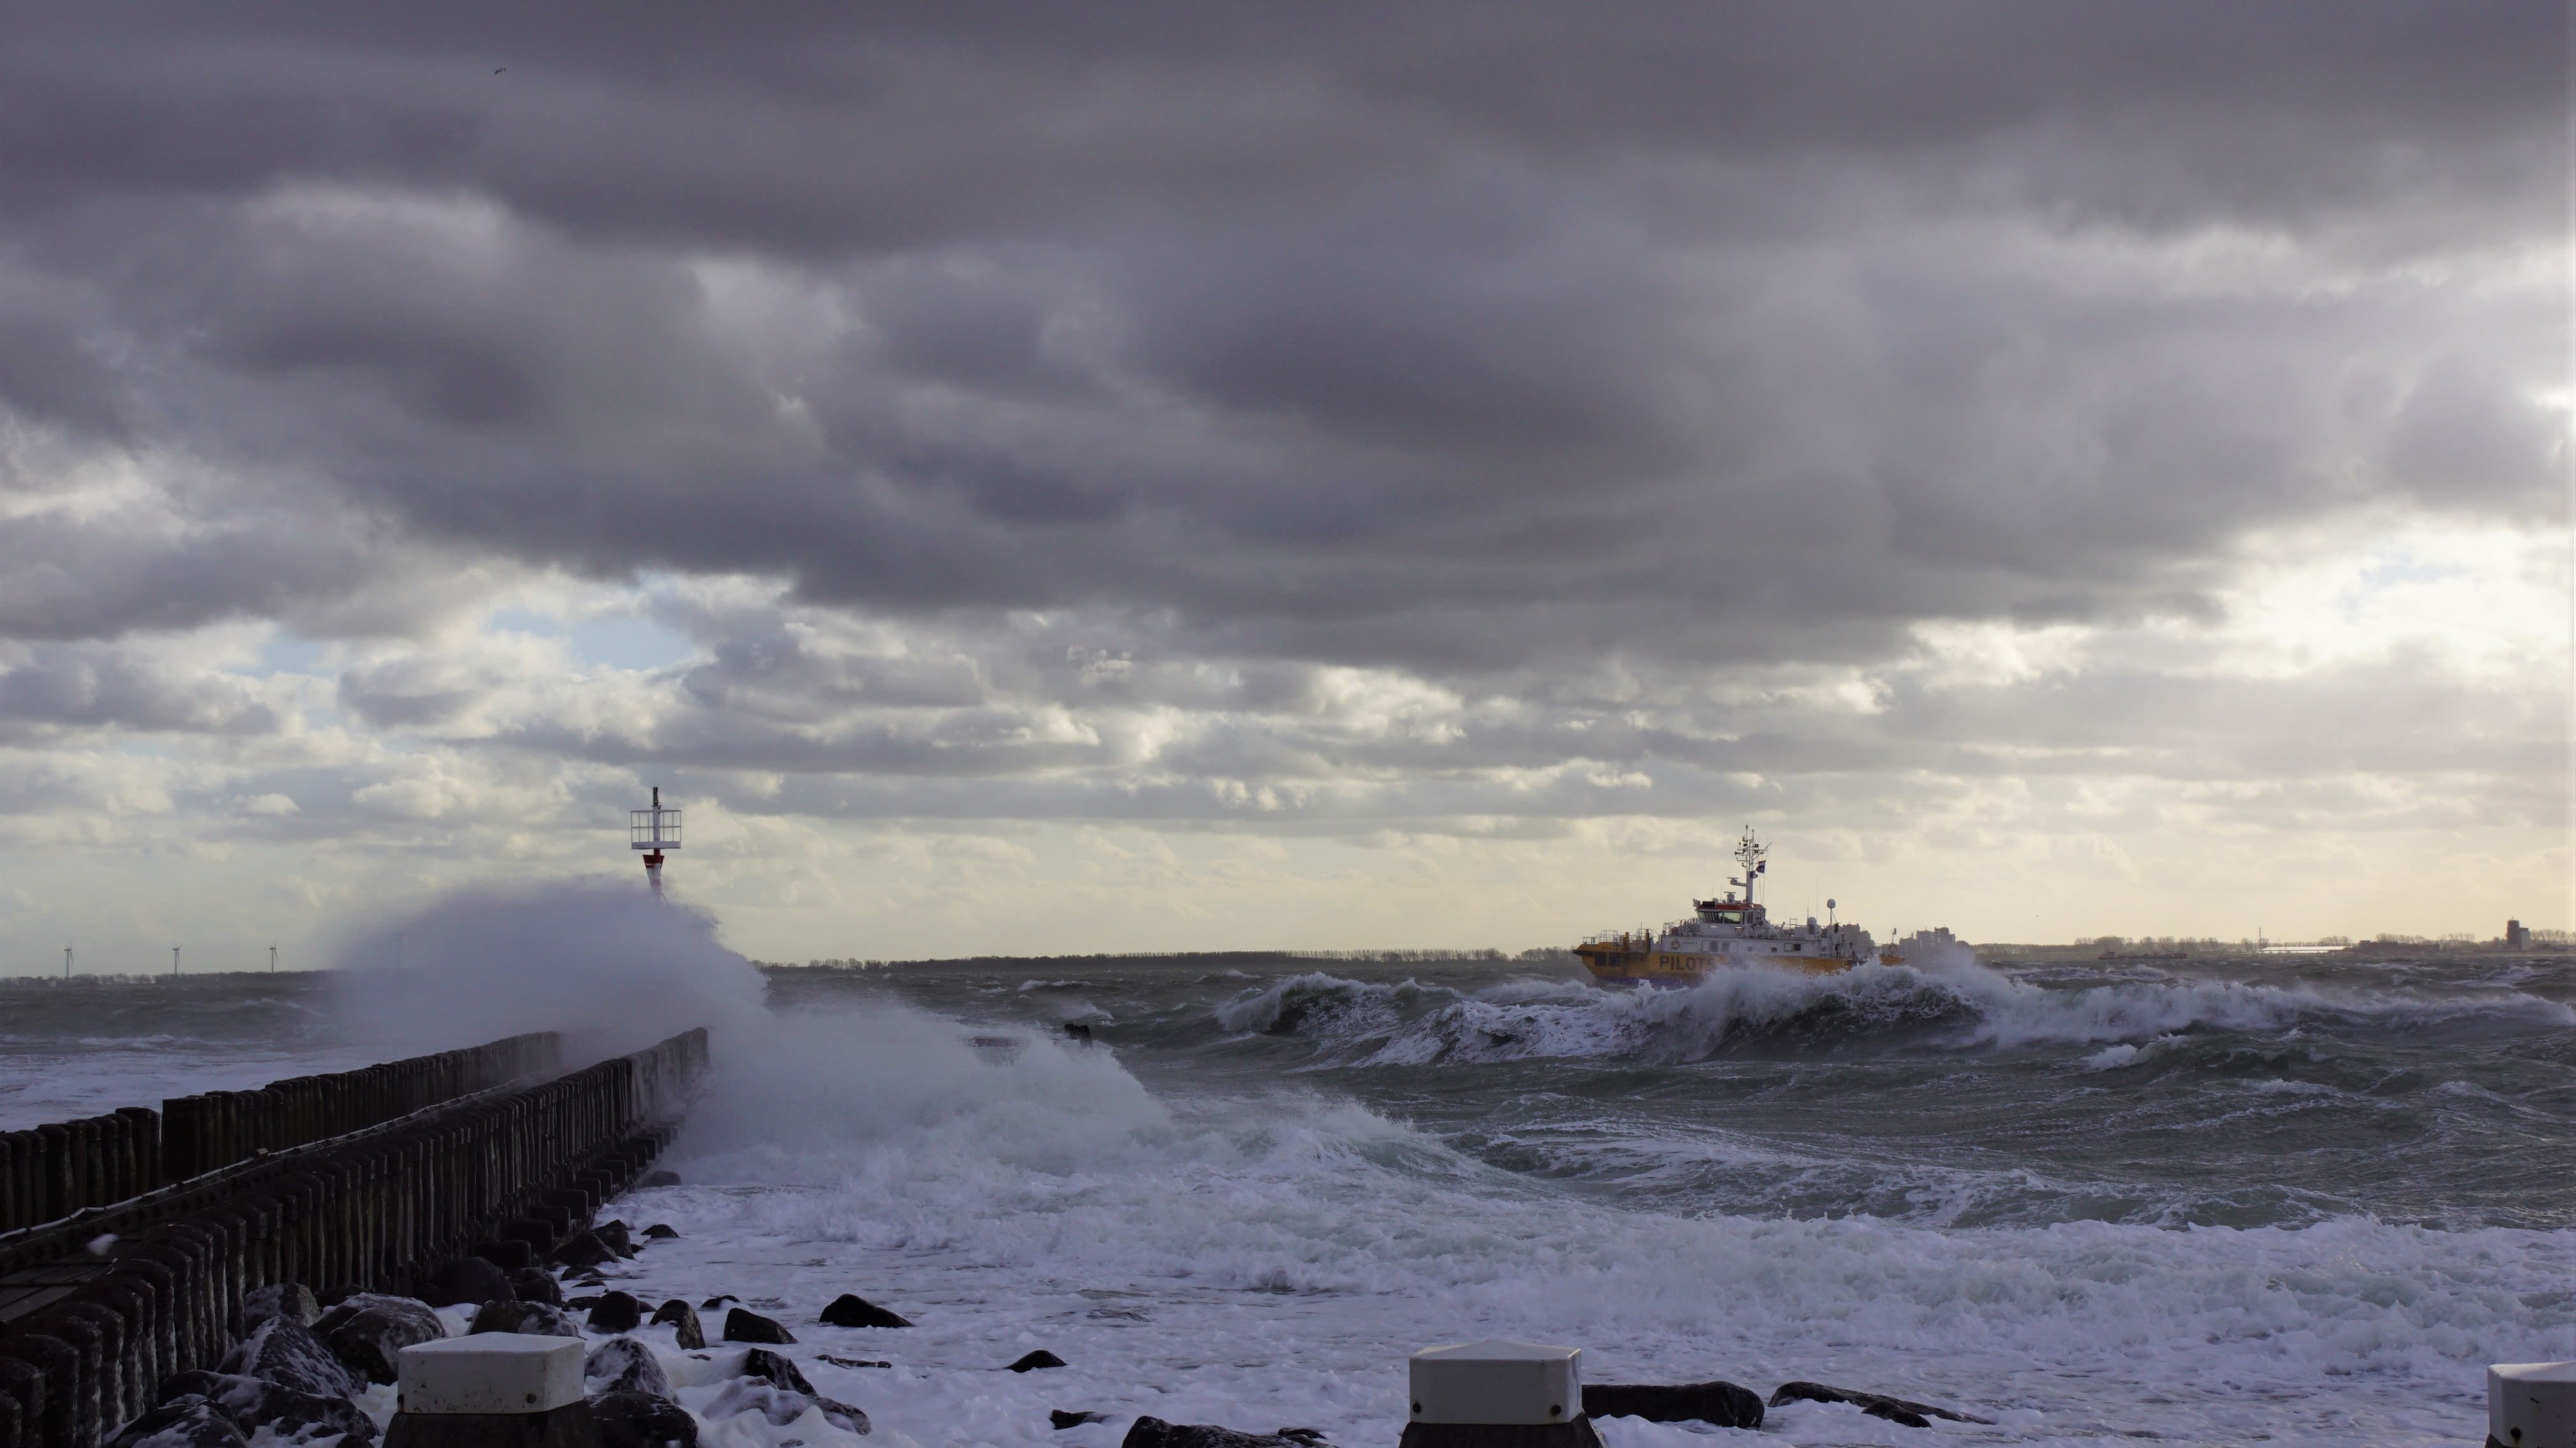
<point x="1268" y="1261"/>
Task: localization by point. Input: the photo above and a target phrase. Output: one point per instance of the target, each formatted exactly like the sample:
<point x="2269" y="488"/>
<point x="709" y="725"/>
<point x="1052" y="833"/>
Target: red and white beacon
<point x="653" y="831"/>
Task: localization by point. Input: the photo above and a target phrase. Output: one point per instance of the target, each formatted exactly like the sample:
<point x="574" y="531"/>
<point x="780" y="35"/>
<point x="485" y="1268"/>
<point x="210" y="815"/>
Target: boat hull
<point x="1680" y="970"/>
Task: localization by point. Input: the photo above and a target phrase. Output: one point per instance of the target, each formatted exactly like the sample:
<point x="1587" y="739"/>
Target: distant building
<point x="2517" y="936"/>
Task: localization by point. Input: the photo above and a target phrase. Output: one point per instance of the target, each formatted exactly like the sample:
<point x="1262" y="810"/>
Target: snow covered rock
<point x="628" y="1367"/>
<point x="284" y="1351"/>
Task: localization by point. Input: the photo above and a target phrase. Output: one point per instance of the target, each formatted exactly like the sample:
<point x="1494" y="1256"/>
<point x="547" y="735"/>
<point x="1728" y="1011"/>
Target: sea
<point x="2217" y="1201"/>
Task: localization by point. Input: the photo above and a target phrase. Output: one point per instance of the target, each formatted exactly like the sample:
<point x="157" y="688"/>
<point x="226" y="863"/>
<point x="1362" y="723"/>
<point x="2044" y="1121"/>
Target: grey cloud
<point x="84" y="686"/>
<point x="1140" y="367"/>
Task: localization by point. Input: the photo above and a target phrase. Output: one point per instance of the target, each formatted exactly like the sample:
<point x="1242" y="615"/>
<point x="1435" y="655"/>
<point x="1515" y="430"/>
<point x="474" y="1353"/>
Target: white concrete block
<point x="1497" y="1382"/>
<point x="2532" y="1405"/>
<point x="492" y="1372"/>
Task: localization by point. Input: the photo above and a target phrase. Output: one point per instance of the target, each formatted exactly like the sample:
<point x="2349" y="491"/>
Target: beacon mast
<point x="653" y="831"/>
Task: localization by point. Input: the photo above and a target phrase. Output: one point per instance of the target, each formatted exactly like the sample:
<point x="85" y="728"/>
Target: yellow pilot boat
<point x="1729" y="932"/>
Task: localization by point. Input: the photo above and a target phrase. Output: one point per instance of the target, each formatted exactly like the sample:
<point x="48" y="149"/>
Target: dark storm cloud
<point x="1485" y="342"/>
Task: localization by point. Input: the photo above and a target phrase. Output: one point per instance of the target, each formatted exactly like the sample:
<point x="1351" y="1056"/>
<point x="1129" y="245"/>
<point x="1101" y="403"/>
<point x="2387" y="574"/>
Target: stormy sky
<point x="1043" y="478"/>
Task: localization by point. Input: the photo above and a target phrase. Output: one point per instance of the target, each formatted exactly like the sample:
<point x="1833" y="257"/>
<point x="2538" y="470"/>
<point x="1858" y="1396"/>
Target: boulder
<point x="285" y="1352"/>
<point x="842" y="1362"/>
<point x="781" y="1406"/>
<point x="657" y="1179"/>
<point x="1063" y="1420"/>
<point x="1155" y="1433"/>
<point x="1312" y="1437"/>
<point x="617" y="1312"/>
<point x="616" y="1235"/>
<point x="852" y="1310"/>
<point x="534" y="1318"/>
<point x="585" y="1249"/>
<point x="509" y="1255"/>
<point x="741" y="1326"/>
<point x="641" y="1420"/>
<point x="186" y="1421"/>
<point x="1719" y="1404"/>
<point x="255" y="1403"/>
<point x="1877" y="1405"/>
<point x="367" y="1332"/>
<point x="465" y="1280"/>
<point x="279" y="1299"/>
<point x="1031" y="1362"/>
<point x="683" y="1320"/>
<point x="659" y="1232"/>
<point x="628" y="1366"/>
<point x="761" y="1365"/>
<point x="534" y="1284"/>
<point x="719" y="1300"/>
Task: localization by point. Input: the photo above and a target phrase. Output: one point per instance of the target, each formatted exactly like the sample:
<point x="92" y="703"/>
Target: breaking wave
<point x="1957" y="1007"/>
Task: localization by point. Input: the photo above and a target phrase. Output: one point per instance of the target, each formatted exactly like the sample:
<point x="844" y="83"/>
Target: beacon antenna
<point x="653" y="831"/>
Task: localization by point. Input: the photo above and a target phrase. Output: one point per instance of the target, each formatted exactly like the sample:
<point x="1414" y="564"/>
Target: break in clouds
<point x="1914" y="427"/>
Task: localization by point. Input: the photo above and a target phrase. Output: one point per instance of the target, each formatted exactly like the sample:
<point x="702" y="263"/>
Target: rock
<point x="1031" y="1362"/>
<point x="533" y="1284"/>
<point x="617" y="1312"/>
<point x="684" y="1323"/>
<point x="641" y="1420"/>
<point x="712" y="1303"/>
<point x="1877" y="1405"/>
<point x="585" y="1249"/>
<point x="285" y="1352"/>
<point x="628" y="1366"/>
<point x="844" y="1417"/>
<point x="255" y="1403"/>
<point x="466" y="1279"/>
<point x="658" y="1179"/>
<point x="769" y="1367"/>
<point x="851" y="1310"/>
<point x="581" y="1304"/>
<point x="1314" y="1437"/>
<point x="741" y="1326"/>
<point x="659" y="1232"/>
<point x="279" y="1299"/>
<point x="780" y="1406"/>
<point x="1064" y="1420"/>
<point x="186" y="1421"/>
<point x="537" y="1319"/>
<point x="615" y="1234"/>
<point x="367" y="1332"/>
<point x="842" y="1362"/>
<point x="1155" y="1433"/>
<point x="1076" y="1031"/>
<point x="509" y="1255"/>
<point x="1719" y="1404"/>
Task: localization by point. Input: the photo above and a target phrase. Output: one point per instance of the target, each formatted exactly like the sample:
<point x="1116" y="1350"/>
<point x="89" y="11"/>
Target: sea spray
<point x="607" y="964"/>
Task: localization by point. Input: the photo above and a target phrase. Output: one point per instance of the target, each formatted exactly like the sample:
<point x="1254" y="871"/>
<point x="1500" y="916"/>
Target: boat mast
<point x="1749" y="853"/>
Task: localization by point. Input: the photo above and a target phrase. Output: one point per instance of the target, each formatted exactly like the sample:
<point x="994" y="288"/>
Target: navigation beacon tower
<point x="653" y="831"/>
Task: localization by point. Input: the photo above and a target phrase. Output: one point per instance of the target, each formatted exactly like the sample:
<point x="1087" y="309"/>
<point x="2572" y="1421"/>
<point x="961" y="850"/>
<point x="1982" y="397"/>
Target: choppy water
<point x="2234" y="1202"/>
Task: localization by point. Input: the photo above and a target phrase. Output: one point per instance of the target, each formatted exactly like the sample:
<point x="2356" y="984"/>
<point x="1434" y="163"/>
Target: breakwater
<point x="50" y="1172"/>
<point x="363" y="1180"/>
